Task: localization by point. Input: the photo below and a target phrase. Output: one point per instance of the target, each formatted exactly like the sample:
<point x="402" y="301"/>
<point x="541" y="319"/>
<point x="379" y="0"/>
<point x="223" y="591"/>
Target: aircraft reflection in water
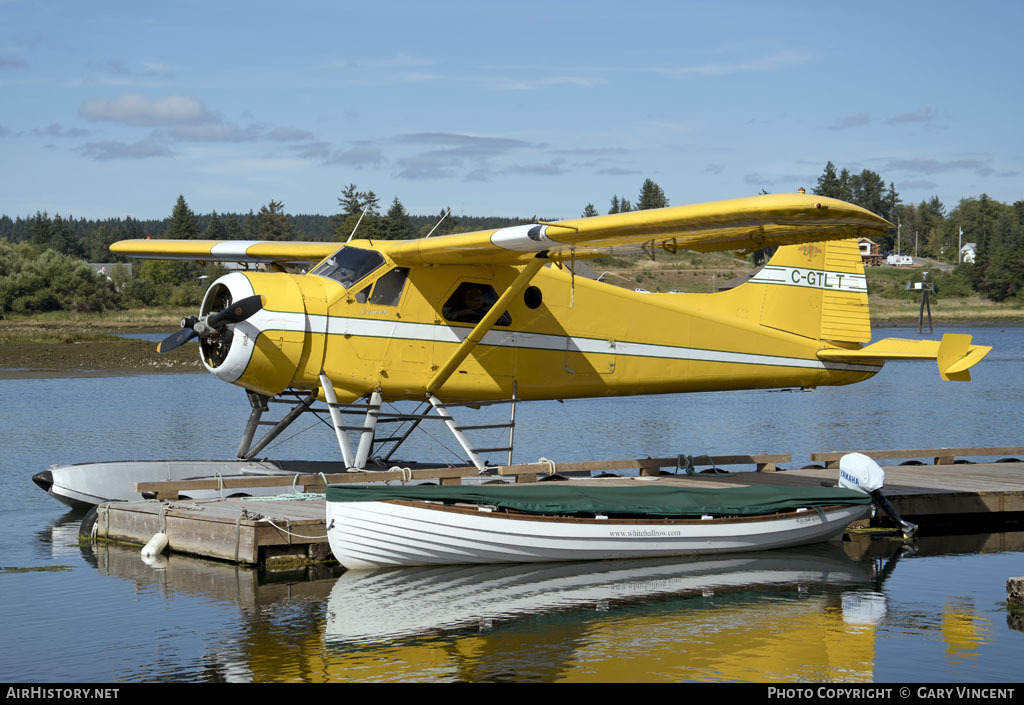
<point x="795" y="614"/>
<point x="810" y="614"/>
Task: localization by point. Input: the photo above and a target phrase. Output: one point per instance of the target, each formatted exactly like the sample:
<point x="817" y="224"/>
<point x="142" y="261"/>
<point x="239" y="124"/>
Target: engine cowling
<point x="261" y="353"/>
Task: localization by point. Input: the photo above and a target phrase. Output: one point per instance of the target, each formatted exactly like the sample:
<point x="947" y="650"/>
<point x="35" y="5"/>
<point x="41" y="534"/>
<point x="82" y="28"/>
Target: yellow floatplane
<point x="499" y="315"/>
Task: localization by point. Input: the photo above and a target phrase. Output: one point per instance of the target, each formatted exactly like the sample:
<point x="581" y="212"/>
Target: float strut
<point x="332" y="404"/>
<point x="369" y="428"/>
<point x="443" y="412"/>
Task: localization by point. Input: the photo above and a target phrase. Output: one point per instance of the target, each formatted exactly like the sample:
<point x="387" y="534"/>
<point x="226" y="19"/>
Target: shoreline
<point x="104" y="357"/>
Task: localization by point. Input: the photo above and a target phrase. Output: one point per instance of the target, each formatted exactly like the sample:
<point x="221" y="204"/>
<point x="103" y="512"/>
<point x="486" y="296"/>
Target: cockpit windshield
<point x="349" y="265"/>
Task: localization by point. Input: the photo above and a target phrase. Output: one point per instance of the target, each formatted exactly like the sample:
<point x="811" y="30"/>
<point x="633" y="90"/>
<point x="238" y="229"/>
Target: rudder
<point x="817" y="290"/>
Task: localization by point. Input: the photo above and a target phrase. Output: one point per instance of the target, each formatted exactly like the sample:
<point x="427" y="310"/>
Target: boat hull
<point x="395" y="533"/>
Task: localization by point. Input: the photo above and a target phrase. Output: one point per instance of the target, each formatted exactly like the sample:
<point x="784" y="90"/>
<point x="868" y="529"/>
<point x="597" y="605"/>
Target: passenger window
<point x="363" y="295"/>
<point x="388" y="288"/>
<point x="470" y="302"/>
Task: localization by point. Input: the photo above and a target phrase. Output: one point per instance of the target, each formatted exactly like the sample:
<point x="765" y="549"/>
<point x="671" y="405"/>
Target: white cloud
<point x="136" y="109"/>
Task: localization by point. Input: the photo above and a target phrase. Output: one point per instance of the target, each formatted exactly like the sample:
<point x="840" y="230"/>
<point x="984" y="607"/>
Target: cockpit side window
<point x="388" y="288"/>
<point x="349" y="265"/>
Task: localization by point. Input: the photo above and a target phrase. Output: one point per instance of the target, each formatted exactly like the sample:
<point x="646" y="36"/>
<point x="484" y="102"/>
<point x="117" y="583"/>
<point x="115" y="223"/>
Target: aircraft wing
<point x="744" y="224"/>
<point x="226" y="250"/>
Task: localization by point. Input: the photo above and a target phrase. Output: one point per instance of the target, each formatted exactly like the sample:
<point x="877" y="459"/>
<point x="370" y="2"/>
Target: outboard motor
<point x="859" y="472"/>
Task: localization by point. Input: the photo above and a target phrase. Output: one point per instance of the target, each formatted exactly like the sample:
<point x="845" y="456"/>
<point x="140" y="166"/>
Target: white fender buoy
<point x="156" y="545"/>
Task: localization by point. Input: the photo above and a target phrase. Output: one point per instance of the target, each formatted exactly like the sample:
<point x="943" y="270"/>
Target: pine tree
<point x="615" y="208"/>
<point x="396" y="225"/>
<point x="183" y="225"/>
<point x="589" y="211"/>
<point x="651" y="196"/>
<point x="215" y="229"/>
<point x="272" y="223"/>
<point x="351" y="200"/>
<point x="829" y="184"/>
<point x="39" y="230"/>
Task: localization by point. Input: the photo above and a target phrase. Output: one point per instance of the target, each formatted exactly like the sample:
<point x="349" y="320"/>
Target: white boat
<point x="374" y="527"/>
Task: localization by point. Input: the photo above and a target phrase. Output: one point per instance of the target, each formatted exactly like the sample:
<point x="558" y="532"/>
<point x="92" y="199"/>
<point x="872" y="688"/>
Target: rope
<point x="550" y="464"/>
<point x="406" y="473"/>
<point x="688" y="467"/>
<point x="298" y="536"/>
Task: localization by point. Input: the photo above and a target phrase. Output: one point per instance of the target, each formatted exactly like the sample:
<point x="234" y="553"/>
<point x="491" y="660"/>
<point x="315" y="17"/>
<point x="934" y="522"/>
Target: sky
<point x="519" y="109"/>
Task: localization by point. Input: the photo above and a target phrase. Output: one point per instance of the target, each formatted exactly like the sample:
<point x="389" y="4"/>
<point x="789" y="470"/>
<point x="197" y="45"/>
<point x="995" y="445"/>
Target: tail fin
<point x="817" y="290"/>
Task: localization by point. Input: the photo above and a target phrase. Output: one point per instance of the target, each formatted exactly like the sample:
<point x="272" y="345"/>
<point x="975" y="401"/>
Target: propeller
<point x="195" y="327"/>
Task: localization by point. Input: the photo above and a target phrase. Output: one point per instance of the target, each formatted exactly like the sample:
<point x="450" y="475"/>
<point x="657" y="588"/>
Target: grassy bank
<point x="141" y="319"/>
<point x="58" y="343"/>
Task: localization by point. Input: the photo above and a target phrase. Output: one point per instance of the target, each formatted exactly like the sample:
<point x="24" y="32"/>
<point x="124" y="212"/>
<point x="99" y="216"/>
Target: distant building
<point x="967" y="252"/>
<point x="870" y="252"/>
<point x="106" y="268"/>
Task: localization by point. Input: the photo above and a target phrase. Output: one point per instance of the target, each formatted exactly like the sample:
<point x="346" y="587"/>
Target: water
<point x="865" y="612"/>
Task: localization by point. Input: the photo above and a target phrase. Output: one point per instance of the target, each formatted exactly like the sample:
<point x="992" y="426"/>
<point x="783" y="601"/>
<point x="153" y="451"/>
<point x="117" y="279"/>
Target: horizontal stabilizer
<point x="954" y="353"/>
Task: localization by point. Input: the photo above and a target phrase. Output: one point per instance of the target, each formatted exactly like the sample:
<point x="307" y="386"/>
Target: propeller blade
<point x="236" y="312"/>
<point x="176" y="339"/>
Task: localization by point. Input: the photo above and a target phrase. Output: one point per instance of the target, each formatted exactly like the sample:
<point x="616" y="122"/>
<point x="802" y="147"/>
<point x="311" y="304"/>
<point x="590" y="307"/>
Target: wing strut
<point x="486" y="323"/>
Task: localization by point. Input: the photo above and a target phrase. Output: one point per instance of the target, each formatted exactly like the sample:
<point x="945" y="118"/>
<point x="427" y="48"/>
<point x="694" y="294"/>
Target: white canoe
<point x="408" y="526"/>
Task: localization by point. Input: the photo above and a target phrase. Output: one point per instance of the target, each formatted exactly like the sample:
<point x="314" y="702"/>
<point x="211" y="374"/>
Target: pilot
<point x="474" y="306"/>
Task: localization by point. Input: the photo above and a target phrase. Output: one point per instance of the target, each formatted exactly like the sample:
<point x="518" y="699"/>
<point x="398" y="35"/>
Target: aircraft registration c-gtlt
<point x="501" y="315"/>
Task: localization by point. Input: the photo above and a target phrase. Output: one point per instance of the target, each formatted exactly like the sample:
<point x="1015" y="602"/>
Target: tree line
<point x="926" y="229"/>
<point x="42" y="258"/>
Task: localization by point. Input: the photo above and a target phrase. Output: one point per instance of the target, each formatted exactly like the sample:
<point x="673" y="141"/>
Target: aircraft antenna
<point x="572" y="281"/>
<point x="357" y="226"/>
<point x="439" y="222"/>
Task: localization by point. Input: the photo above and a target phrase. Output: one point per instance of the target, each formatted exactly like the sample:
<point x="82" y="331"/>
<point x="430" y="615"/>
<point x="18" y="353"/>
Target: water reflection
<point x="820" y="613"/>
<point x="597" y="621"/>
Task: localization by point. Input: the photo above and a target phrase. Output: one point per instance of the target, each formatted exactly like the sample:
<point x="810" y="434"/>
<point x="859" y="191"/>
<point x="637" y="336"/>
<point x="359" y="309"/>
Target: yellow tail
<point x="817" y="290"/>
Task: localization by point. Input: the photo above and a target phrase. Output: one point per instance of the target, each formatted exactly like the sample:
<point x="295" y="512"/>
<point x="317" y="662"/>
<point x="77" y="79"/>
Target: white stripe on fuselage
<point x="429" y="332"/>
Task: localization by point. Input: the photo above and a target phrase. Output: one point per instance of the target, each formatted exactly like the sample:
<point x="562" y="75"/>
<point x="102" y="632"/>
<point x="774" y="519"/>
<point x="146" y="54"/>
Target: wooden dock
<point x="285" y="531"/>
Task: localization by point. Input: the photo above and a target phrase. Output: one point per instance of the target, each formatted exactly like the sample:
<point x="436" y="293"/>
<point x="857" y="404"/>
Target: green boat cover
<point x="646" y="500"/>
